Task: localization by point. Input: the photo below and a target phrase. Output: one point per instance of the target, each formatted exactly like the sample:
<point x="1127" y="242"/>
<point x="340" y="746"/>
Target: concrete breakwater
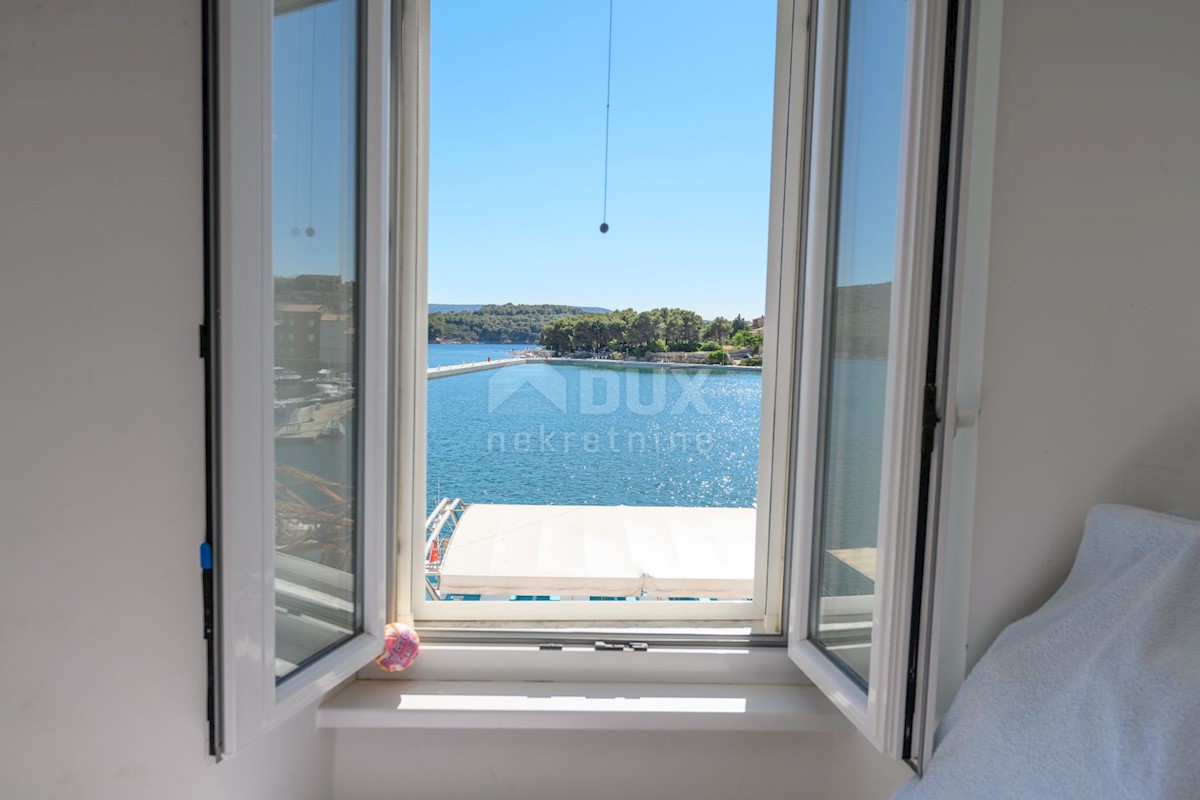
<point x="477" y="366"/>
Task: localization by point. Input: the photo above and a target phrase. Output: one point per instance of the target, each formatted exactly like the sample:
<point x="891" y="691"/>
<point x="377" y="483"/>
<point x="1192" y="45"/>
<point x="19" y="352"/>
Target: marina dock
<point x="312" y="421"/>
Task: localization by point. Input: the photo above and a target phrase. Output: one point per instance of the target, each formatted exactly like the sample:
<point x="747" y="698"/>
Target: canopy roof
<point x="607" y="551"/>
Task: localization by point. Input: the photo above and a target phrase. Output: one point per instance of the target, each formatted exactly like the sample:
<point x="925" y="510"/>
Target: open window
<point x="870" y="394"/>
<point x="356" y="480"/>
<point x="861" y="176"/>
<point x="298" y="165"/>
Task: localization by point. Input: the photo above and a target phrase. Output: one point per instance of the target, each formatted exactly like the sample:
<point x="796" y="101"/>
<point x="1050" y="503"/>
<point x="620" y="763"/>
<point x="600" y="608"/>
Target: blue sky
<point x="870" y="175"/>
<point x="517" y="153"/>
<point x="313" y="140"/>
<point x="517" y="92"/>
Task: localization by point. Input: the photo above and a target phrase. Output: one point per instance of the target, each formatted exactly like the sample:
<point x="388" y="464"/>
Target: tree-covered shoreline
<point x="635" y="333"/>
<point x="860" y="327"/>
<point x="509" y="323"/>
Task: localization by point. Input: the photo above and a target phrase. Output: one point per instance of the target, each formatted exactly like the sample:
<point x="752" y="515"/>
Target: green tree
<point x="621" y="331"/>
<point x="591" y="332"/>
<point x="682" y="329"/>
<point x="615" y="328"/>
<point x="691" y="325"/>
<point x="747" y="339"/>
<point x="718" y="357"/>
<point x="673" y="327"/>
<point x="496" y="323"/>
<point x="739" y="323"/>
<point x="718" y="330"/>
<point x="556" y="336"/>
<point x="643" y="330"/>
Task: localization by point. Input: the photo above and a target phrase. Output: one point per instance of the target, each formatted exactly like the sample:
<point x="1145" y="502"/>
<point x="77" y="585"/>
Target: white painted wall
<point x="592" y="765"/>
<point x="101" y="416"/>
<point x="1090" y="393"/>
<point x="1091" y="379"/>
<point x="102" y="484"/>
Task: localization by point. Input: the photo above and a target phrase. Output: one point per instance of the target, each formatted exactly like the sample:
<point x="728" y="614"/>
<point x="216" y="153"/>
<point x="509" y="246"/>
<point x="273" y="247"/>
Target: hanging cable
<point x="296" y="138"/>
<point x="312" y="125"/>
<point x="607" y="107"/>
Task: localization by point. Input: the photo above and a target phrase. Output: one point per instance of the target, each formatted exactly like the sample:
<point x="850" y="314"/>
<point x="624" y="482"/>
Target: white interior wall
<point x="1091" y="382"/>
<point x="587" y="765"/>
<point x="102" y="416"/>
<point x="102" y="489"/>
<point x="1090" y="391"/>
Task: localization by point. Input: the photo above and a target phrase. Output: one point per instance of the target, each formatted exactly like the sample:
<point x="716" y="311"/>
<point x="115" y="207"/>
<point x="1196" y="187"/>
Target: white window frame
<point x="763" y="613"/>
<point x="879" y="711"/>
<point x="394" y="295"/>
<point x="250" y="701"/>
<point x="797" y="305"/>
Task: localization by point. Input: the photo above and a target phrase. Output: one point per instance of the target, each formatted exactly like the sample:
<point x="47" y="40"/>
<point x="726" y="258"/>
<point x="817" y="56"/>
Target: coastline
<point x="450" y="370"/>
<point x="685" y="366"/>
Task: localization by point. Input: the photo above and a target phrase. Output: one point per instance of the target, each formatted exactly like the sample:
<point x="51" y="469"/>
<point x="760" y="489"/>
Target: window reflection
<point x="315" y="225"/>
<point x="862" y="265"/>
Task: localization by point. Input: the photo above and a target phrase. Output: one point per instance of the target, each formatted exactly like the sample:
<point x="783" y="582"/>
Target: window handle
<point x="622" y="646"/>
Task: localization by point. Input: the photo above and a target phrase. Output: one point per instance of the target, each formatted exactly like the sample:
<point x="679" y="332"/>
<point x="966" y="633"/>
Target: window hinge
<point x="622" y="646"/>
<point x="203" y="341"/>
<point x="929" y="419"/>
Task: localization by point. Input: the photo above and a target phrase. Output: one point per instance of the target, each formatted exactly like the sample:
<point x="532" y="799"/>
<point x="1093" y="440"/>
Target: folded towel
<point x="1097" y="693"/>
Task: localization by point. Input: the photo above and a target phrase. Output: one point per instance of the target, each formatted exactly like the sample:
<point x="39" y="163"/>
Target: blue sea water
<point x="543" y="434"/>
<point x="557" y="434"/>
<point x="441" y="355"/>
<point x="538" y="433"/>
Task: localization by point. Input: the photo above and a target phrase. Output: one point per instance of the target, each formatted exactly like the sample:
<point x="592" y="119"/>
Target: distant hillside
<point x="861" y="327"/>
<point x="452" y="307"/>
<point x="499" y="324"/>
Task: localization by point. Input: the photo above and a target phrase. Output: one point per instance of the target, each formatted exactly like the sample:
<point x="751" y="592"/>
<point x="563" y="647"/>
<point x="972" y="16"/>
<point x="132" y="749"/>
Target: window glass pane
<point x="315" y="252"/>
<point x="862" y="264"/>
<point x="605" y="478"/>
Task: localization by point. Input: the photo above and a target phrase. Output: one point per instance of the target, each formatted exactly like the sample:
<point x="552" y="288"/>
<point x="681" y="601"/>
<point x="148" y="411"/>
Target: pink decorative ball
<point x="400" y="646"/>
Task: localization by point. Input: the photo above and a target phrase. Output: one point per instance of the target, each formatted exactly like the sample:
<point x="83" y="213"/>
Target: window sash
<point x="247" y="700"/>
<point x="879" y="710"/>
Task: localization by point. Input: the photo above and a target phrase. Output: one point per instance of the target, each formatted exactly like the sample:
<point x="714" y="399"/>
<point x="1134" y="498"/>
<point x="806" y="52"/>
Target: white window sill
<point x="582" y="664"/>
<point x="579" y="688"/>
<point x="496" y="705"/>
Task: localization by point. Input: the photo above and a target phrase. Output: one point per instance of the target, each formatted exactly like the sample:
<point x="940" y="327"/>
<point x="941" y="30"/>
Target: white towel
<point x="1097" y="693"/>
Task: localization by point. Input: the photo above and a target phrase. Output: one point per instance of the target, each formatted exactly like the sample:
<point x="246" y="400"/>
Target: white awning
<point x="606" y="551"/>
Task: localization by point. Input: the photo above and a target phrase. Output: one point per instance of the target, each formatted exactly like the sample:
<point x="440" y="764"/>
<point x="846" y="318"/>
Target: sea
<point x="441" y="355"/>
<point x="582" y="435"/>
<point x="601" y="435"/>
